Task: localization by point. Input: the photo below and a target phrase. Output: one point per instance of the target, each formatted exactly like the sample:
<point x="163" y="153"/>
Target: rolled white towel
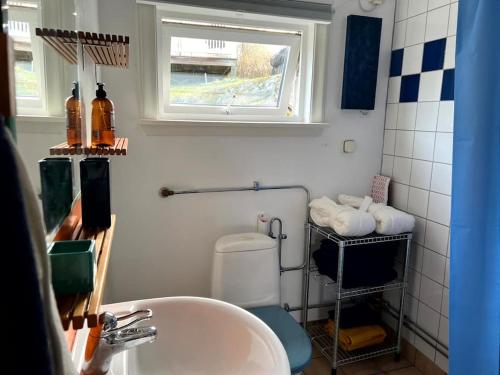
<point x="390" y="220"/>
<point x="350" y="200"/>
<point x="367" y="201"/>
<point x="352" y="222"/>
<point x="318" y="218"/>
<point x="321" y="210"/>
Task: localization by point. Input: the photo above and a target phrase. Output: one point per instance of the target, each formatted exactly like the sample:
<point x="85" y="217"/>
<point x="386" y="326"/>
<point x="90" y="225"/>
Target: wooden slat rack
<point x="103" y="49"/>
<point x="75" y="309"/>
<point x="120" y="148"/>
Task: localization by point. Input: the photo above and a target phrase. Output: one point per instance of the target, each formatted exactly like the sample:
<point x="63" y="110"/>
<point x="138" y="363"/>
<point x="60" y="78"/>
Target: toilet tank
<point x="246" y="270"/>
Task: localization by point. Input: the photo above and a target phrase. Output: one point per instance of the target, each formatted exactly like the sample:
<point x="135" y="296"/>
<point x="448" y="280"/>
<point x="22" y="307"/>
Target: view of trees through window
<point x="226" y="73"/>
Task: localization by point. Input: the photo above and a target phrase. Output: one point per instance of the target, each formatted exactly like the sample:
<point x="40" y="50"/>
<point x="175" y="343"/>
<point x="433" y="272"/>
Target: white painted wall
<point x="164" y="247"/>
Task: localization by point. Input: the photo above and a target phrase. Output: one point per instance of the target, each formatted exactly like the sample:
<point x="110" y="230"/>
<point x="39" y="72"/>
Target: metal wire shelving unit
<point x="324" y="344"/>
<point x="327" y="345"/>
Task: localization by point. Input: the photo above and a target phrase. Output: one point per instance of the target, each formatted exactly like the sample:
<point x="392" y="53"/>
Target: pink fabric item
<point x="380" y="189"/>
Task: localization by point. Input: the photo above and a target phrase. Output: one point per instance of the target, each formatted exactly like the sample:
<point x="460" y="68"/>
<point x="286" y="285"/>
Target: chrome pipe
<point x="305" y="275"/>
<point x="403" y="293"/>
<point x="166" y="192"/>
<point x="416" y="329"/>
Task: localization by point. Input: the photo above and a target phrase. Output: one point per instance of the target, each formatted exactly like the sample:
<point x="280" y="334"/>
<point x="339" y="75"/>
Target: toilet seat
<point x="296" y="342"/>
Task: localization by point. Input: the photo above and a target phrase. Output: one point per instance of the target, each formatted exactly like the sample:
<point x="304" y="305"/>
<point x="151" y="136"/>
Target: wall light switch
<point x="349" y="146"/>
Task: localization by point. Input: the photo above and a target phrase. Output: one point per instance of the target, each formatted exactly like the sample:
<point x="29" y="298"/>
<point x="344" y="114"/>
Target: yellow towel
<point x="358" y="337"/>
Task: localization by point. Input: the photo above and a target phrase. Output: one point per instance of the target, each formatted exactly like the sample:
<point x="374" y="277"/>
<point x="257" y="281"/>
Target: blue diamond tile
<point x="409" y="88"/>
<point x="433" y="55"/>
<point x="448" y="89"/>
<point x="396" y="63"/>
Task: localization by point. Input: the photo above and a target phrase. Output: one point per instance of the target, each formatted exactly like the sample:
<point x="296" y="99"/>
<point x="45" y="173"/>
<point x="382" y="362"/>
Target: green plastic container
<point x="73" y="266"/>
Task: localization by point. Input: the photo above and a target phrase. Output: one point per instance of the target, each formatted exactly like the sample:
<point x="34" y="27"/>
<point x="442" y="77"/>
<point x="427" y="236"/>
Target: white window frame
<point x="27" y="106"/>
<point x="169" y="30"/>
<point x="309" y="88"/>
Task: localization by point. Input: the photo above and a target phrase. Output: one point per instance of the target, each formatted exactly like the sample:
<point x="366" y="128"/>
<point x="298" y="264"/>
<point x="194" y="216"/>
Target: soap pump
<point x="73" y="106"/>
<point x="103" y="119"/>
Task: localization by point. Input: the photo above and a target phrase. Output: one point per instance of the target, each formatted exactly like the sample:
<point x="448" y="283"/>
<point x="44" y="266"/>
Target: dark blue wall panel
<point x="362" y="47"/>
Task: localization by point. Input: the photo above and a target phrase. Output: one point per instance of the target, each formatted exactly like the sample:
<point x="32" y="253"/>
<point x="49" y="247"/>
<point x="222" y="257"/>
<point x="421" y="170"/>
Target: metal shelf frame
<point x="324" y="344"/>
<point x="330" y="347"/>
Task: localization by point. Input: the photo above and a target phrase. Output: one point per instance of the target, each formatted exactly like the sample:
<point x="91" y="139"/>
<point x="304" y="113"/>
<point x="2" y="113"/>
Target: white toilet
<point x="246" y="273"/>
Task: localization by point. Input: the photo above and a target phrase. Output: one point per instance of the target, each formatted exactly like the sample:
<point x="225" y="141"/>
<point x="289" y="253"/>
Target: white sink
<point x="197" y="336"/>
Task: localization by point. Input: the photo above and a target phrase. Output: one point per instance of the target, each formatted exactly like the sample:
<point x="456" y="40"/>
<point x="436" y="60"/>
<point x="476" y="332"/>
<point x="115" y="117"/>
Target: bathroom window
<point x="227" y="66"/>
<point x="223" y="69"/>
<point x="24" y="17"/>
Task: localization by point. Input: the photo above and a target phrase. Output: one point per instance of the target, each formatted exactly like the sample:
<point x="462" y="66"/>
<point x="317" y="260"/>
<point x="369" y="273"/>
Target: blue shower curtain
<point x="475" y="228"/>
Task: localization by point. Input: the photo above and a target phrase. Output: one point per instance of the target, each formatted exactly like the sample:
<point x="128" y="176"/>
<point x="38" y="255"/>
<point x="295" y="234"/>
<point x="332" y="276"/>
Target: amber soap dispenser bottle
<point x="103" y="119"/>
<point x="74" y="117"/>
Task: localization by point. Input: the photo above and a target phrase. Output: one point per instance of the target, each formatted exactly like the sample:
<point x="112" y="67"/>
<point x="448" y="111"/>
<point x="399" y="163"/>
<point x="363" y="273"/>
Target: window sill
<point x="251" y="128"/>
<point x="40" y="124"/>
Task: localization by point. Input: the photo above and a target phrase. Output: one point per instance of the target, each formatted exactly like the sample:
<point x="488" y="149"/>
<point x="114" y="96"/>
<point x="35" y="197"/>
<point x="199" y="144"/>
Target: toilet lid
<point x="244" y="242"/>
<point x="295" y="340"/>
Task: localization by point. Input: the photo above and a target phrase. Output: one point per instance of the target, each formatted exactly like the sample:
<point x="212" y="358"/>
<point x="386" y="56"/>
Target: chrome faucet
<point x="112" y="340"/>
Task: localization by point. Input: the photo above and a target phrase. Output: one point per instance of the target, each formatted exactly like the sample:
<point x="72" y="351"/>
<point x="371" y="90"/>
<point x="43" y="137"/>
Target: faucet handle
<point x="110" y="320"/>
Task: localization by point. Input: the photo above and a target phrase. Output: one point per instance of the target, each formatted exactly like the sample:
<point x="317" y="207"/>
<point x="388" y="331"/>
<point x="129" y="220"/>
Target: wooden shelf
<point x="120" y="148"/>
<point x="75" y="309"/>
<point x="103" y="49"/>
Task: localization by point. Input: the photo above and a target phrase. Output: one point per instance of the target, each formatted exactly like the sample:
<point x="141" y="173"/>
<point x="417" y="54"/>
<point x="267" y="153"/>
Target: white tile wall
<point x="387" y="164"/>
<point x="437" y="23"/>
<point x="444" y="305"/>
<point x="433" y="4"/>
<point x="415" y="30"/>
<point x="418" y="155"/>
<point x="443" y="330"/>
<point x="423" y="148"/>
<point x="399" y="196"/>
<point x="433" y="266"/>
<point x="445" y="118"/>
<point x="428" y="319"/>
<point x="401" y="170"/>
<point x="393" y="90"/>
<point x="419" y="230"/>
<point x="431" y="293"/>
<point x="391" y="116"/>
<point x="447" y="273"/>
<point x="404" y="143"/>
<point x="389" y="141"/>
<point x="412" y="59"/>
<point x="407" y="114"/>
<point x="436" y="237"/>
<point x="421" y="174"/>
<point x="401" y="10"/>
<point x="439" y="208"/>
<point x="452" y="25"/>
<point x="398" y="40"/>
<point x="449" y="55"/>
<point x="443" y="151"/>
<point x="416" y="7"/>
<point x="427" y="116"/>
<point x="417" y="255"/>
<point x="417" y="201"/>
<point x="430" y="86"/>
<point x="441" y="178"/>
